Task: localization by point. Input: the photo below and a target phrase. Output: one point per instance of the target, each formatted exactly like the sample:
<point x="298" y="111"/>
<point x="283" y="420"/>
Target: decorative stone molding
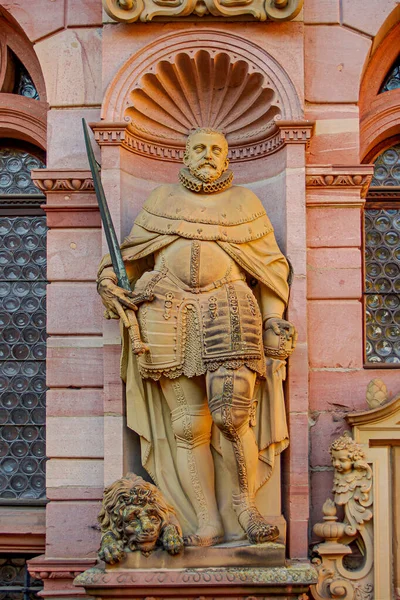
<point x="118" y="134"/>
<point x="63" y="180"/>
<point x="174" y="86"/>
<point x="71" y="200"/>
<point x="58" y="574"/>
<point x="322" y="180"/>
<point x="352" y="487"/>
<point x="208" y="583"/>
<point x="129" y="11"/>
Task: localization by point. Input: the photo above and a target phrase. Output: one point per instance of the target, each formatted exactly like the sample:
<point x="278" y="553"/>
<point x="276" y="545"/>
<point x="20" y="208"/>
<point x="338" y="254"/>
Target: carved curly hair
<point x="346" y="442"/>
<point x="131" y="490"/>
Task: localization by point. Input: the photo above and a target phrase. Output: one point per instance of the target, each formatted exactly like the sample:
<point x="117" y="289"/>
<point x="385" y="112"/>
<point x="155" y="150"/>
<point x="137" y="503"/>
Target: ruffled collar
<point x="193" y="183"/>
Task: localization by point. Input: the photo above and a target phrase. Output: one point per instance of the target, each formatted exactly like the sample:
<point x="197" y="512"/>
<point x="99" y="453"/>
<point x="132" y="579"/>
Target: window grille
<point x="392" y="79"/>
<point x="23" y="326"/>
<point x="15" y="580"/>
<point x="382" y="262"/>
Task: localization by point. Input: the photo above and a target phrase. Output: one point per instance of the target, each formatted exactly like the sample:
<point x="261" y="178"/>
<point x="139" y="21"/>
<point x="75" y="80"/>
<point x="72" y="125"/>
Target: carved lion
<point x="135" y="516"/>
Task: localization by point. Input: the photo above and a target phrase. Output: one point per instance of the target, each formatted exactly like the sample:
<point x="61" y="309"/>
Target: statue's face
<point x="207" y="155"/>
<point x="341" y="461"/>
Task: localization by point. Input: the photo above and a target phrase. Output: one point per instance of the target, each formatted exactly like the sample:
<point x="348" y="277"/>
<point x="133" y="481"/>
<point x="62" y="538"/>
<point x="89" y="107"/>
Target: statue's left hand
<point x="280" y="327"/>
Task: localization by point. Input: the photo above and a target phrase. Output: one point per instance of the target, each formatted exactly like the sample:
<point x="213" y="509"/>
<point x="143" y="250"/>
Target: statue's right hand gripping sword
<point x="127" y="316"/>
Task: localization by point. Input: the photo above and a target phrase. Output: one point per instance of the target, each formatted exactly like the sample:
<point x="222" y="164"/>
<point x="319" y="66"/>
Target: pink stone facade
<point x="313" y="190"/>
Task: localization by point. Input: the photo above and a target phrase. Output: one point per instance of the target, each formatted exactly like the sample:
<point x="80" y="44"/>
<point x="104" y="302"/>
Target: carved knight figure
<point x="206" y="397"/>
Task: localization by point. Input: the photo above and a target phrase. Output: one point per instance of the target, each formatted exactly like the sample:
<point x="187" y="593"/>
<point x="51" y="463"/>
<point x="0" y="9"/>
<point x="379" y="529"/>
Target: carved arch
<point x="184" y="81"/>
<point x="379" y="112"/>
<point x="21" y="117"/>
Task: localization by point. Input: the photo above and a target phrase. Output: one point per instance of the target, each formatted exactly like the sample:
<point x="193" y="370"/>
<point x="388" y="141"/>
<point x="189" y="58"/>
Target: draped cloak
<point x="236" y="220"/>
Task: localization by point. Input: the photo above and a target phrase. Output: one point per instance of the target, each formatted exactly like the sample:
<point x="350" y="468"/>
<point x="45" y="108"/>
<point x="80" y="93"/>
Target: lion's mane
<point x="132" y="490"/>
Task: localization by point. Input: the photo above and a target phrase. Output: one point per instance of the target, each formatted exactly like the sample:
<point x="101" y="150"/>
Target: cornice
<point x="41" y="567"/>
<point x="284" y="132"/>
<point x="375" y="415"/>
<point x="129" y="11"/>
<point x="323" y="182"/>
<point x="63" y="180"/>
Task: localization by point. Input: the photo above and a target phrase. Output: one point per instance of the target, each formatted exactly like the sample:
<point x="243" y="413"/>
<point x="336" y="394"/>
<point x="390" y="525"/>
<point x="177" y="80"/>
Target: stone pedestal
<point x="233" y="571"/>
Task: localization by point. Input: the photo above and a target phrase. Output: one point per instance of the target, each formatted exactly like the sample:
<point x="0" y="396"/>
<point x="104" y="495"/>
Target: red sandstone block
<point x="333" y="227"/>
<point x="346" y="390"/>
<point x="335" y="59"/>
<point x="321" y="489"/>
<point x="74" y="493"/>
<point x="335" y="334"/>
<point x="75" y="437"/>
<point x="75" y="54"/>
<point x="297" y="309"/>
<point x="64" y="472"/>
<point x="334" y="275"/>
<point x="297" y="380"/>
<point x="298" y="502"/>
<point x="321" y="11"/>
<point x="367" y="17"/>
<point x="327" y="427"/>
<point x="72" y="529"/>
<point x="74" y="403"/>
<point x="335" y="138"/>
<point x="66" y="125"/>
<point x="73" y="308"/>
<point x="114" y="402"/>
<point x="84" y="12"/>
<point x="298" y="539"/>
<point x="38" y="18"/>
<point x="296" y="467"/>
<point x="74" y="367"/>
<point x="73" y="254"/>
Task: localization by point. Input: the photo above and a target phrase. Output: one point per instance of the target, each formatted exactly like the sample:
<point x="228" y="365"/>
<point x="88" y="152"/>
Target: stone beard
<point x="204" y="399"/>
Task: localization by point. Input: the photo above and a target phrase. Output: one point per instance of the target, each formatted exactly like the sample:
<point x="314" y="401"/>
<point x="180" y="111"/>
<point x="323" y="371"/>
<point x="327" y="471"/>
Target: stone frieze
<point x="129" y="11"/>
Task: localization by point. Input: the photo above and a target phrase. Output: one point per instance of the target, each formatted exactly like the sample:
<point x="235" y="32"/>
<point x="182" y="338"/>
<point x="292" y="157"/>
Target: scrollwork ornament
<point x="352" y="487"/>
<point x="129" y="11"/>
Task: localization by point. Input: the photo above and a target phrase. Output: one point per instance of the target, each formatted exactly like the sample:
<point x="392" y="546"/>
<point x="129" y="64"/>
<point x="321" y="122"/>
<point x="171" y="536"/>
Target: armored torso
<point x="203" y="313"/>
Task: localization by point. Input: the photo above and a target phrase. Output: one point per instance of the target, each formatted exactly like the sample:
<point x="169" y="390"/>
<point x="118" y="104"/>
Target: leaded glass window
<point x="392" y="80"/>
<point x="382" y="262"/>
<point x="23" y="330"/>
<point x="387" y="168"/>
<point x="15" y="581"/>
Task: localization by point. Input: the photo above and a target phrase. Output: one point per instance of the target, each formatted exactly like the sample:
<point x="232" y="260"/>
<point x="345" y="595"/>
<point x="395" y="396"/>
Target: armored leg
<point x="230" y="396"/>
<point x="191" y="423"/>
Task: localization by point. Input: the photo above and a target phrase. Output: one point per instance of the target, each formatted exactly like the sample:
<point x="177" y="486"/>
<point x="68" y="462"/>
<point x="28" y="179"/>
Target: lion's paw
<point x="172" y="541"/>
<point x="112" y="552"/>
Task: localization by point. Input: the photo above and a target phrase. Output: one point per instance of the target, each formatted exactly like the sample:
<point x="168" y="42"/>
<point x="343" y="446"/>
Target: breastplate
<point x="196" y="263"/>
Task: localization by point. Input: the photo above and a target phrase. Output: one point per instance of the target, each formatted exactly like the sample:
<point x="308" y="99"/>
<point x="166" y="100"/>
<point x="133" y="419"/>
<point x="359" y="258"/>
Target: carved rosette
<point x="129" y="11"/>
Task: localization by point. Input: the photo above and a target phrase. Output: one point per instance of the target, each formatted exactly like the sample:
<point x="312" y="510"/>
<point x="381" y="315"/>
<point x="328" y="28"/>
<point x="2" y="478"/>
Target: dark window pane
<point x="15" y="581"/>
<point x="382" y="285"/>
<point x="387" y="168"/>
<point x="392" y="80"/>
<point x="15" y="171"/>
<point x="22" y="357"/>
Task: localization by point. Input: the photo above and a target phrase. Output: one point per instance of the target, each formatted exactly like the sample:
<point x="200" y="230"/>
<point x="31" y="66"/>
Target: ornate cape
<point x="235" y="219"/>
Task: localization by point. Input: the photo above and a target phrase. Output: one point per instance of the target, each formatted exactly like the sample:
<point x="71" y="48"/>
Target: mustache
<point x="208" y="162"/>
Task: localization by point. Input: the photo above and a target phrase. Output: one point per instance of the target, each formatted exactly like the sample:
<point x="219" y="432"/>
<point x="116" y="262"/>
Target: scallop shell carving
<point x="202" y="90"/>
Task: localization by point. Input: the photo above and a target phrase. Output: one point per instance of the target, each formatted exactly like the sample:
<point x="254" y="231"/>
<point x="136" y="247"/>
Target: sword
<point x="127" y="316"/>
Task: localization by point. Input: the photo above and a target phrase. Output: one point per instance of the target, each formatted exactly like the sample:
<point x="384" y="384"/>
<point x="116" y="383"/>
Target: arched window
<point x="382" y="262"/>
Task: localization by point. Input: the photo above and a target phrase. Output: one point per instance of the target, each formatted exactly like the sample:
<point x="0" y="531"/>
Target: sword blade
<point x="108" y="226"/>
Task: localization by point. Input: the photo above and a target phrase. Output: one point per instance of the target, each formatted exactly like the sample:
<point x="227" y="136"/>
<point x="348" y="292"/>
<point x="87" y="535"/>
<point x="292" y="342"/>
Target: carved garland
<point x="129" y="11"/>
